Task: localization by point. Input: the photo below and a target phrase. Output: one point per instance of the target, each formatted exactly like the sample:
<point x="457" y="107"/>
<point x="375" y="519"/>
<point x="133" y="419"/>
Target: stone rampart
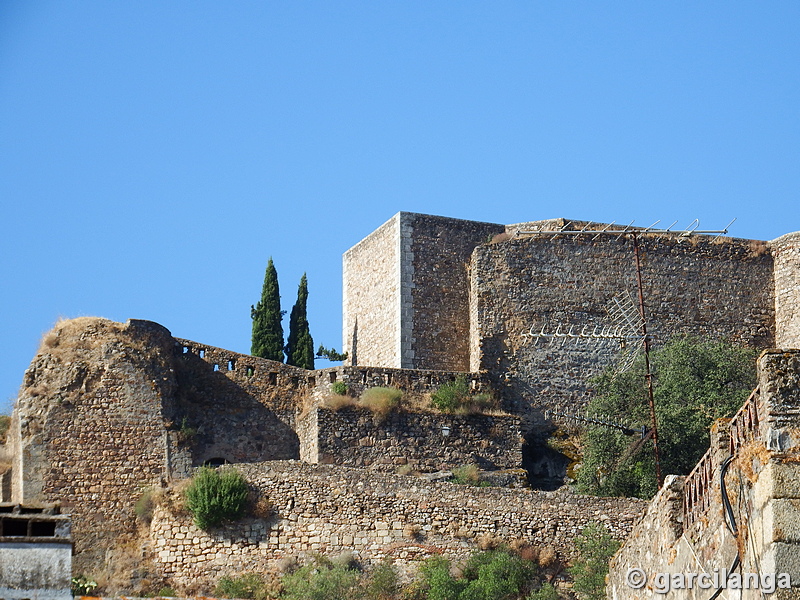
<point x="330" y="510"/>
<point x="531" y="285"/>
<point x="422" y="441"/>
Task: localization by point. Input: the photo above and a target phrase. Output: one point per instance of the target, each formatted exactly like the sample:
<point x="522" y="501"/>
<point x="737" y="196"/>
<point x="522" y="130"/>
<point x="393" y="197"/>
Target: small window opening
<point x="15" y="528"/>
<point x="217" y="461"/>
<point x="202" y="353"/>
<point x="387" y="377"/>
<point x="216" y="367"/>
<point x="250" y="371"/>
<point x="186" y="349"/>
<point x="43" y="529"/>
<point x="231" y="365"/>
<point x="332" y="376"/>
<point x="273" y="378"/>
<point x="364" y="375"/>
<point x="295" y="382"/>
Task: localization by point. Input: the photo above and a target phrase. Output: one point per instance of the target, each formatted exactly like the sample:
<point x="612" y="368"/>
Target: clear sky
<point x="155" y="154"/>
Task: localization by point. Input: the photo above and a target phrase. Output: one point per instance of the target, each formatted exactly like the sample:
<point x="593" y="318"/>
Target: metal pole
<point x="648" y="374"/>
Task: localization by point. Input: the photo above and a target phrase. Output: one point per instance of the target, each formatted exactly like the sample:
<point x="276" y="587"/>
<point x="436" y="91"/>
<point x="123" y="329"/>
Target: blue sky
<point x="154" y="155"/>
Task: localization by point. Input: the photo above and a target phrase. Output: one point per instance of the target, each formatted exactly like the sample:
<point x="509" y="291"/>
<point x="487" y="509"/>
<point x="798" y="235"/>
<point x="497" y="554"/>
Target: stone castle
<point x="107" y="409"/>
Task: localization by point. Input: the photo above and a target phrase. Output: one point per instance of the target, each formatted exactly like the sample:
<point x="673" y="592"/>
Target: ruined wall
<point x="88" y="428"/>
<point x="371" y="298"/>
<point x="406" y="293"/>
<point x="786" y="251"/>
<point x="330" y="510"/>
<point x="685" y="531"/>
<point x="698" y="286"/>
<point x="237" y="407"/>
<point x="355" y="437"/>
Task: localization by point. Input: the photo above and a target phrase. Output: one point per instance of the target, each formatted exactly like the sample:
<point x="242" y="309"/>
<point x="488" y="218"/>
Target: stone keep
<point x="428" y="292"/>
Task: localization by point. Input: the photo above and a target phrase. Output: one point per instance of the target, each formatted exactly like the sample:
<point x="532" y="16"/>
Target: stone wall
<point x="406" y="293"/>
<point x="330" y="510"/>
<point x="371" y="298"/>
<point x="532" y="284"/>
<point x="786" y="250"/>
<point x="435" y="279"/>
<point x="356" y="437"/>
<point x="88" y="429"/>
<point x="237" y="407"/>
<point x="685" y="529"/>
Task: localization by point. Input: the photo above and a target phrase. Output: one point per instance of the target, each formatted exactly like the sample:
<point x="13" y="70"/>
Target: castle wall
<point x="435" y="275"/>
<point x="237" y="407"/>
<point x="694" y="286"/>
<point x="330" y="510"/>
<point x="786" y="252"/>
<point x="685" y="531"/>
<point x="89" y="426"/>
<point x="406" y="293"/>
<point x="371" y="298"/>
<point x="355" y="437"/>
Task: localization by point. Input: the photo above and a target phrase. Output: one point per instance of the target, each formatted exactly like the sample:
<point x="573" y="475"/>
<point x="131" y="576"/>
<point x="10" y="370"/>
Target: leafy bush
<point x="450" y="396"/>
<point x="546" y="592"/>
<point x="383" y="582"/>
<point x="595" y="549"/>
<point x="215" y="495"/>
<point x="339" y="388"/>
<point x="82" y="585"/>
<point x="456" y="397"/>
<point x="489" y="575"/>
<point x="695" y="382"/>
<point x="249" y="585"/>
<point x="469" y="475"/>
<point x="166" y="592"/>
<point x="321" y="580"/>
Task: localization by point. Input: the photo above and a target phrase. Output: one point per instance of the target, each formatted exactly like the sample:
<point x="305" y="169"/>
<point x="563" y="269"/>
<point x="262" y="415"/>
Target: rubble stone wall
<point x="331" y="510"/>
<point x="533" y="285"/>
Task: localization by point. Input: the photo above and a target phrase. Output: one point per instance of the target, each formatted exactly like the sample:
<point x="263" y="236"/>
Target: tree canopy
<point x="267" y="341"/>
<point x="695" y="382"/>
<point x="300" y="346"/>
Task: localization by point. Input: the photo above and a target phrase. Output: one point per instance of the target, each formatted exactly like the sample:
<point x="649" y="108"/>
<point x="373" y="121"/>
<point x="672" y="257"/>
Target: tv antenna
<point x="634" y="233"/>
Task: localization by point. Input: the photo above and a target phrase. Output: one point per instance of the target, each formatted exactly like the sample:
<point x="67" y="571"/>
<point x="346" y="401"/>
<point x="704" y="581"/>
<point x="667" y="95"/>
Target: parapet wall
<point x="531" y="285"/>
<point x="419" y="441"/>
<point x="686" y="528"/>
<point x="330" y="510"/>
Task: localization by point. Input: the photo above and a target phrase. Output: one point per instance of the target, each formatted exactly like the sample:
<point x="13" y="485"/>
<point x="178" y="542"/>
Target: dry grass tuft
<point x="547" y="557"/>
<point x="381" y="401"/>
<point x="500" y="237"/>
<point x="337" y="402"/>
<point x="489" y="541"/>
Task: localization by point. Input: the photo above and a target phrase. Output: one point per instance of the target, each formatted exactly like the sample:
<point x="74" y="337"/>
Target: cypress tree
<point x="300" y="347"/>
<point x="267" y="329"/>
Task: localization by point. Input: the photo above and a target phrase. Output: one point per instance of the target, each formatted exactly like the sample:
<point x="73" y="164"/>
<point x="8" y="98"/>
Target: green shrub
<point x="496" y="575"/>
<point x="488" y="575"/>
<point x="82" y="585"/>
<point x="456" y="397"/>
<point x="320" y="580"/>
<point x="5" y="423"/>
<point x="595" y="549"/>
<point x="469" y="475"/>
<point x="546" y="592"/>
<point x="166" y="592"/>
<point x="216" y="495"/>
<point x="339" y="388"/>
<point x="451" y="396"/>
<point x="249" y="585"/>
<point x="382" y="582"/>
